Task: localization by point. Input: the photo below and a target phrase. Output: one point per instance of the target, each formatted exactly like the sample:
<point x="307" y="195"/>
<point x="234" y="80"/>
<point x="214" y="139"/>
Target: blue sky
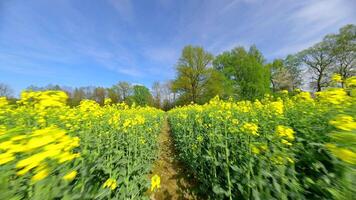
<point x="100" y="42"/>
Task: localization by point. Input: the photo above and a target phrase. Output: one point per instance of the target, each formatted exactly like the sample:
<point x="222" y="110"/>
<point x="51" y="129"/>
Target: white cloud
<point x="311" y="21"/>
<point x="316" y="16"/>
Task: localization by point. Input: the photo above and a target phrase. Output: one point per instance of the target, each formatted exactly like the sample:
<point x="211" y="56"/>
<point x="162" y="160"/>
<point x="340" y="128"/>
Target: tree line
<point x="244" y="73"/>
<point x="239" y="73"/>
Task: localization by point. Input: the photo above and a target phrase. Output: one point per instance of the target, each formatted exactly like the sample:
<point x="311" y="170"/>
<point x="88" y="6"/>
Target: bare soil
<point x="175" y="181"/>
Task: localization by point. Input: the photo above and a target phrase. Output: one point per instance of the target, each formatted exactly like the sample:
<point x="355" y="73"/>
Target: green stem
<point x="227" y="164"/>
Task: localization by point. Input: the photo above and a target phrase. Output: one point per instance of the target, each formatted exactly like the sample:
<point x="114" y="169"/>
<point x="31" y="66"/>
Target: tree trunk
<point x="318" y="83"/>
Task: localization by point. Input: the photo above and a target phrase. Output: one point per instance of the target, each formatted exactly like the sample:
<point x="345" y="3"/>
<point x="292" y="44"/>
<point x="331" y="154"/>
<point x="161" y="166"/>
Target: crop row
<point x="51" y="151"/>
<point x="286" y="147"/>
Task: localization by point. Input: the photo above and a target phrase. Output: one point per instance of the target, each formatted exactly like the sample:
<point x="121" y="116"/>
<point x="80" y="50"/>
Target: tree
<point x="141" y="96"/>
<point x="77" y="96"/>
<point x="99" y="95"/>
<point x="282" y="80"/>
<point x="318" y="59"/>
<point x="276" y="68"/>
<point x="194" y="76"/>
<point x="47" y="87"/>
<point x="244" y="72"/>
<point x="284" y="74"/>
<point x="168" y="96"/>
<point x="157" y="94"/>
<point x="88" y="91"/>
<point x="113" y="94"/>
<point x="344" y="51"/>
<point x="254" y="52"/>
<point x="292" y="64"/>
<point x="124" y="89"/>
<point x="5" y="90"/>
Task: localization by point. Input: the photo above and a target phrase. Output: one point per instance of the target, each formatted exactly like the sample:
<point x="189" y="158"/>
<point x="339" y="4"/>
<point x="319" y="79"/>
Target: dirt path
<point x="175" y="183"/>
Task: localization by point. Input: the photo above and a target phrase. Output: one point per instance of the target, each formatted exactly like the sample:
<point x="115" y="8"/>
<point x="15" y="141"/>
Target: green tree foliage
<point x="244" y="72"/>
<point x="196" y="81"/>
<point x="336" y="53"/>
<point x="141" y="96"/>
<point x="292" y="64"/>
<point x="344" y="51"/>
<point x="77" y="95"/>
<point x="277" y="69"/>
<point x="113" y="94"/>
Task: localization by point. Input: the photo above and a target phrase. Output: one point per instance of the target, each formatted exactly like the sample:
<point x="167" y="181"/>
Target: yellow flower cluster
<point x="258" y="148"/>
<point x="279" y="160"/>
<point x="107" y="101"/>
<point x="351" y="82"/>
<point x="37" y="148"/>
<point x="155" y="182"/>
<point x="70" y="176"/>
<point x="44" y="99"/>
<point x="131" y="122"/>
<point x="285" y="132"/>
<point x="303" y="96"/>
<point x="277" y="107"/>
<point x="336" y="78"/>
<point x="342" y="150"/>
<point x="344" y="122"/>
<point x="344" y="154"/>
<point x="336" y="96"/>
<point x="3" y="102"/>
<point x="250" y="128"/>
<point x="2" y="129"/>
<point x="110" y="183"/>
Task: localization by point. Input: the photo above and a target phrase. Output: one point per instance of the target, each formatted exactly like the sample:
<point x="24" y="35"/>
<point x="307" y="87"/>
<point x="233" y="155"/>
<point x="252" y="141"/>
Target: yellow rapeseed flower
<point x="284" y="92"/>
<point x="2" y="129"/>
<point x="343" y="154"/>
<point x="304" y="96"/>
<point x="255" y="150"/>
<point x="235" y="122"/>
<point x="6" y="157"/>
<point x="250" y="128"/>
<point x="277" y="107"/>
<point x="285" y="132"/>
<point x="334" y="96"/>
<point x="155" y="182"/>
<point x="110" y="183"/>
<point x="336" y="78"/>
<point x="70" y="176"/>
<point x="351" y="82"/>
<point x="43" y="173"/>
<point x="344" y="122"/>
<point x="286" y="142"/>
<point x="290" y="160"/>
<point x="68" y="157"/>
<point x="3" y="102"/>
<point x="107" y="101"/>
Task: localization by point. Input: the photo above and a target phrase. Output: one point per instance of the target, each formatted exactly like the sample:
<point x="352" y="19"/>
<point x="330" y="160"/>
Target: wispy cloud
<point x="124" y="39"/>
<point x="311" y="21"/>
